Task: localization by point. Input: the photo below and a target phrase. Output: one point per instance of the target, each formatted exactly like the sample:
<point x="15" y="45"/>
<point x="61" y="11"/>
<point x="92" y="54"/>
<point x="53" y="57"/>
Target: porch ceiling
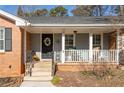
<point x="69" y="29"/>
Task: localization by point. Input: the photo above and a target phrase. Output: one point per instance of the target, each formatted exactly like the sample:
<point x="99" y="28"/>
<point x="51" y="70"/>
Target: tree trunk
<point x="121" y="10"/>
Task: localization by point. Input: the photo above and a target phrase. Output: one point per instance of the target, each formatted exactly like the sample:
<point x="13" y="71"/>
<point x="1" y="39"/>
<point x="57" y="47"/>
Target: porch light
<point x="75" y="32"/>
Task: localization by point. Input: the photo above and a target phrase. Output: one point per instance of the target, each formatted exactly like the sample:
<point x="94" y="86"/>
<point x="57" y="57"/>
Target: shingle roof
<point x="73" y="20"/>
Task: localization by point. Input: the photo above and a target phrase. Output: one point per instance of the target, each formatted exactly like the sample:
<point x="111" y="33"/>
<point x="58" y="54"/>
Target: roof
<point x="72" y="20"/>
<point x="62" y="21"/>
<point x="18" y="20"/>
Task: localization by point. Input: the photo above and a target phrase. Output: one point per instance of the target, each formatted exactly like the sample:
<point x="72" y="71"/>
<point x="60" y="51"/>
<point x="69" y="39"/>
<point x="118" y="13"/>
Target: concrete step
<point x="41" y="73"/>
<point x="43" y="66"/>
<point x="41" y="69"/>
<point x="34" y="78"/>
<point x="40" y="65"/>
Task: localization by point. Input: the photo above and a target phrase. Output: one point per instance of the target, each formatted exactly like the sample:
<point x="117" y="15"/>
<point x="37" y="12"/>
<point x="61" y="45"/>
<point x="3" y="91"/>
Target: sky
<point x="13" y="8"/>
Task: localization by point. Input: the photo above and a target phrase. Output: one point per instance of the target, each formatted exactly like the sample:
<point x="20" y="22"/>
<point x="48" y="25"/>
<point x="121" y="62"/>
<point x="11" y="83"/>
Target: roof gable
<point x="18" y="20"/>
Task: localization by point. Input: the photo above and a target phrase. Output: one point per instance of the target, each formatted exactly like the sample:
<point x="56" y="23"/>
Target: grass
<point x="56" y="80"/>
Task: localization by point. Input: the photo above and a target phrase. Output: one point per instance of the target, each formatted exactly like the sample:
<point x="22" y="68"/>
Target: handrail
<point x="29" y="65"/>
<point x="53" y="65"/>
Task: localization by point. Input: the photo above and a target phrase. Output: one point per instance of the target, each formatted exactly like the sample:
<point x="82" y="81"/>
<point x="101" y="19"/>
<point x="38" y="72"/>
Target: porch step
<point x="41" y="69"/>
<point x="42" y="65"/>
<point x="47" y="60"/>
<point x="39" y="73"/>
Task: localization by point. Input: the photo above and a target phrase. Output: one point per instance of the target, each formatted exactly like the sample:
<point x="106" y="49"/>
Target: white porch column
<point x="63" y="48"/>
<point x="40" y="46"/>
<point x="74" y="39"/>
<point x="90" y="47"/>
<point x="25" y="49"/>
<point x="118" y="45"/>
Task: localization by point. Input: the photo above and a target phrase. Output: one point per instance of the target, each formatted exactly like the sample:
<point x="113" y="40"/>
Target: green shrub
<point x="56" y="80"/>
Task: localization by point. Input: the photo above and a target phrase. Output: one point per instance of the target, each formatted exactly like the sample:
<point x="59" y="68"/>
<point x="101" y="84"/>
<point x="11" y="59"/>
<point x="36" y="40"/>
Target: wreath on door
<point x="47" y="41"/>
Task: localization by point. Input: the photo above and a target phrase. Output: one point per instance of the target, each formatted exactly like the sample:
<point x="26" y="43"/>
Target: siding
<point x="57" y="42"/>
<point x="106" y="41"/>
<point x="82" y="41"/>
<point x="35" y="43"/>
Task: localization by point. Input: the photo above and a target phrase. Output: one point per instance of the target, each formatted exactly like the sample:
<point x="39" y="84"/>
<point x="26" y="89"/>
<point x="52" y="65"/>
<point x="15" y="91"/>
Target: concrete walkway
<point x="36" y="84"/>
<point x="41" y="76"/>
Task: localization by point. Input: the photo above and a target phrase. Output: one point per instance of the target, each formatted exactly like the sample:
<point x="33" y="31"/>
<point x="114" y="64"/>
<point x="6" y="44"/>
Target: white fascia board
<point x="76" y="25"/>
<point x="22" y="23"/>
<point x="19" y="21"/>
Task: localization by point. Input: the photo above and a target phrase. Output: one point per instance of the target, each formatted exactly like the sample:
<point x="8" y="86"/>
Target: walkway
<point x="41" y="76"/>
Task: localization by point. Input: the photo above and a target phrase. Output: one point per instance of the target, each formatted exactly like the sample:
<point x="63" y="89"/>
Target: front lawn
<point x="107" y="78"/>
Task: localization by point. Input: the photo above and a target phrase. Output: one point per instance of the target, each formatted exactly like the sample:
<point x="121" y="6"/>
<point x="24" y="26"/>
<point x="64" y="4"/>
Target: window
<point x="96" y="40"/>
<point x="123" y="41"/>
<point x="8" y="39"/>
<point x="5" y="39"/>
<point x="68" y="41"/>
<point x="2" y="39"/>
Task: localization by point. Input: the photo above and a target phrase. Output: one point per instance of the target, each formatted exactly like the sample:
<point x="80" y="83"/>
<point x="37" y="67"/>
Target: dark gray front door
<point x="47" y="46"/>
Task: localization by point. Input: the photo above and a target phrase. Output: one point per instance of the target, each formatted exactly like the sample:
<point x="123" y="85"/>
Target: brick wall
<point x="12" y="58"/>
<point x="84" y="66"/>
<point x="28" y="43"/>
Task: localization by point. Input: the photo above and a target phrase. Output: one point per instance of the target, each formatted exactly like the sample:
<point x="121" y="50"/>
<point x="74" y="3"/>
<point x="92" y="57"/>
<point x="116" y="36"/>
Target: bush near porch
<point x="96" y="78"/>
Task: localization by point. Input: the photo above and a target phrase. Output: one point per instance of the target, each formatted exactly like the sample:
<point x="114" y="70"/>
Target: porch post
<point x="118" y="45"/>
<point x="90" y="47"/>
<point x="40" y="46"/>
<point x="63" y="48"/>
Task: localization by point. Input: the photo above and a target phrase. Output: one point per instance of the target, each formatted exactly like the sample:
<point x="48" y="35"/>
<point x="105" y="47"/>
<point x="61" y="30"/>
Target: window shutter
<point x="8" y="39"/>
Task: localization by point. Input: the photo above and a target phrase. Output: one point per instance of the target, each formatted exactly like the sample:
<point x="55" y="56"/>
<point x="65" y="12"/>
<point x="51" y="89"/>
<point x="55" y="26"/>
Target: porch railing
<point x="87" y="56"/>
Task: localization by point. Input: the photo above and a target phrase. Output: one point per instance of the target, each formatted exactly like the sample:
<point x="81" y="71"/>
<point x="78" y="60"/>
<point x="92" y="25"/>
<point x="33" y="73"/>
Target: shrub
<point x="99" y="74"/>
<point x="87" y="73"/>
<point x="56" y="80"/>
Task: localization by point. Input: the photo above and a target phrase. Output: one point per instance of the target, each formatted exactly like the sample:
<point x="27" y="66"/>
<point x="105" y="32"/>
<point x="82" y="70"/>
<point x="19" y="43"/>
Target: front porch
<point x="87" y="56"/>
<point x="74" y="44"/>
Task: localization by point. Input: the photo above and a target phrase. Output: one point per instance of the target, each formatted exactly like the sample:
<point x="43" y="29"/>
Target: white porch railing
<point x="85" y="56"/>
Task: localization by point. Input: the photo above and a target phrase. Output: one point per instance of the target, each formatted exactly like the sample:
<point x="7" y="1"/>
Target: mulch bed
<point x="10" y="82"/>
<point x="76" y="79"/>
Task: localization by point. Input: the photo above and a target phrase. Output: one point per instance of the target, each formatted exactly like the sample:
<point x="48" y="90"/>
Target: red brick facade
<point x="84" y="66"/>
<point x="11" y="63"/>
<point x="28" y="41"/>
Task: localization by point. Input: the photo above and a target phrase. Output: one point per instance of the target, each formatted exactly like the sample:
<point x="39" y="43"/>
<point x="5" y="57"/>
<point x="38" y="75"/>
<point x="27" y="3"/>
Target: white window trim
<point x="101" y="44"/>
<point x="3" y="50"/>
<point x="73" y="39"/>
<point x="122" y="41"/>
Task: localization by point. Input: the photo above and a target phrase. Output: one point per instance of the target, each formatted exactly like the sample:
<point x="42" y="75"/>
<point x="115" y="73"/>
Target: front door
<point x="47" y="46"/>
